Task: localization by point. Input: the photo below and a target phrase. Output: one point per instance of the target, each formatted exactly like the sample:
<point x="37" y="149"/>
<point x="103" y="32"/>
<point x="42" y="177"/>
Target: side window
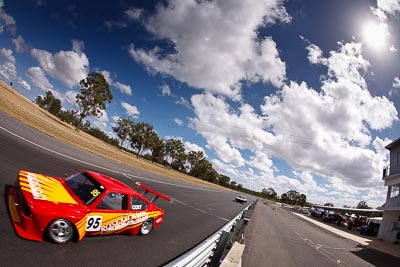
<point x="398" y="159"/>
<point x="138" y="204"/>
<point x="394" y="191"/>
<point x="114" y="201"/>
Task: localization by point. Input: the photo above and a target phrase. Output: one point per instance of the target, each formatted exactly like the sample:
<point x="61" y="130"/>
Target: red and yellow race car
<point x="84" y="204"/>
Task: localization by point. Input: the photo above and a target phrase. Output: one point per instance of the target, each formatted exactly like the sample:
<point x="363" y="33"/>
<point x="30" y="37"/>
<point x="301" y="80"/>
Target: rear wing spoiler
<point x="155" y="193"/>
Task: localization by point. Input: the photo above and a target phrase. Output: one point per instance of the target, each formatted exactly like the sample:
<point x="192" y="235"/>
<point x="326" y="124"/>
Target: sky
<point x="295" y="95"/>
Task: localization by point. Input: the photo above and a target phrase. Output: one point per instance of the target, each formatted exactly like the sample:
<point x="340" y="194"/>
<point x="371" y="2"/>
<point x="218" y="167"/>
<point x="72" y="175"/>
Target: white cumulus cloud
<point x="216" y="43"/>
<point x="193" y="147"/>
<point x="6" y="21"/>
<point x="101" y="121"/>
<point x="323" y="132"/>
<point x="396" y="82"/>
<point x="38" y="78"/>
<point x="24" y="84"/>
<point x="328" y="131"/>
<point x="8" y="69"/>
<point x="20" y="45"/>
<point x="178" y="121"/>
<point x="130" y="110"/>
<point x="165" y="90"/>
<point x="69" y="67"/>
<point x="390" y="7"/>
<point x="124" y="88"/>
<point x="134" y="13"/>
<point x="70" y="97"/>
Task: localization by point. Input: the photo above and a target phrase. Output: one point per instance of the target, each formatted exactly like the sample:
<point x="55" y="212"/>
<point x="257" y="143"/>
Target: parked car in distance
<point x="306" y="210"/>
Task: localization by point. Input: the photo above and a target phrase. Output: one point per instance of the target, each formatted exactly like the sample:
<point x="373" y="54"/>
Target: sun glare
<point x="375" y="35"/>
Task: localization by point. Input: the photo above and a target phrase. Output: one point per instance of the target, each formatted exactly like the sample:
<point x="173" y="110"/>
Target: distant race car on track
<point x="84" y="204"/>
<point x="241" y="199"/>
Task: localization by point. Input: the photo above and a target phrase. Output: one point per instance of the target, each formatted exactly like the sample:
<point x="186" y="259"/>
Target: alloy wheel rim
<point x="146" y="228"/>
<point x="61" y="231"/>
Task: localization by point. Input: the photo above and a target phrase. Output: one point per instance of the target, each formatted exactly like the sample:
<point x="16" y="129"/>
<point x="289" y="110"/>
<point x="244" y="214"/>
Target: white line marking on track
<point x="224" y="219"/>
<point x="55" y="152"/>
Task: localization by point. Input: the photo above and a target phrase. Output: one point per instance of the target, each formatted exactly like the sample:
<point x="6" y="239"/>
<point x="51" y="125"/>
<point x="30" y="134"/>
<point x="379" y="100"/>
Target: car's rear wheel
<point x="60" y="231"/>
<point x="147" y="226"/>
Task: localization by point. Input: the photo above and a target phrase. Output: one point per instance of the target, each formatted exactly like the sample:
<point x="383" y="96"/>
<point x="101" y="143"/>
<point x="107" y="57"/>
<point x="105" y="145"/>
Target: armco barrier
<point x="202" y="254"/>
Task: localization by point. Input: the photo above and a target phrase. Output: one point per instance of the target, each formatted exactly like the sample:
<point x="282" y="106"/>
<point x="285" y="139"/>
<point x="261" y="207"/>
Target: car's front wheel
<point x="60" y="231"/>
<point x="147" y="226"/>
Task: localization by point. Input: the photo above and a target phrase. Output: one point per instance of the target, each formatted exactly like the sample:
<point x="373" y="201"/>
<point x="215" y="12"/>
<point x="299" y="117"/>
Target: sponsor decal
<point x="95" y="192"/>
<point x="36" y="189"/>
<point x="131" y="219"/>
<point x="136" y="207"/>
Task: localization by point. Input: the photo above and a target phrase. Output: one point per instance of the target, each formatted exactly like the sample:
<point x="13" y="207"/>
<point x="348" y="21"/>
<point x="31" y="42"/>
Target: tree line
<point x="291" y="197"/>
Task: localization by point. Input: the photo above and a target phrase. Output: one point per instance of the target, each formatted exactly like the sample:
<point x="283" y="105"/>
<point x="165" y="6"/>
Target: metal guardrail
<point x="201" y="254"/>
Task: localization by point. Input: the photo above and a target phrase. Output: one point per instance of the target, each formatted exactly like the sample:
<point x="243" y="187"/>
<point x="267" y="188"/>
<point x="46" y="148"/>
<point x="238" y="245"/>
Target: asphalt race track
<point x="197" y="212"/>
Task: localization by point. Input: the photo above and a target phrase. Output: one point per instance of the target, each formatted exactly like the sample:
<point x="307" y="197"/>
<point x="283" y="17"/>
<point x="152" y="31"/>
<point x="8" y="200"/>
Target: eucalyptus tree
<point x="141" y="137"/>
<point x="194" y="159"/>
<point x="123" y="129"/>
<point x="302" y="200"/>
<point x="224" y="180"/>
<point x="284" y="198"/>
<point x="205" y="171"/>
<point x="95" y="92"/>
<point x="50" y="103"/>
<point x="362" y="205"/>
<point x="175" y="150"/>
<point x="157" y="148"/>
<point x="233" y="184"/>
<point x="293" y="197"/>
<point x="269" y="193"/>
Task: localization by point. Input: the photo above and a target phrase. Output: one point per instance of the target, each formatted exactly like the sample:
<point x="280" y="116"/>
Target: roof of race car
<point x="110" y="183"/>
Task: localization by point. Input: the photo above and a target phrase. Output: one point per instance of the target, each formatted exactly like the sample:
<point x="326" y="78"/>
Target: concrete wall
<point x="392" y="202"/>
<point x="386" y="230"/>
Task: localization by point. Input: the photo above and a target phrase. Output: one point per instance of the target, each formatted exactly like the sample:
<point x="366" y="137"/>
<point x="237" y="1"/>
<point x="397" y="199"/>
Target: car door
<point x="137" y="212"/>
<point x="110" y="215"/>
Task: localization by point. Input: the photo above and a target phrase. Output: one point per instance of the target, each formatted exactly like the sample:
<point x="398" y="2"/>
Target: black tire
<point x="146" y="227"/>
<point x="60" y="231"/>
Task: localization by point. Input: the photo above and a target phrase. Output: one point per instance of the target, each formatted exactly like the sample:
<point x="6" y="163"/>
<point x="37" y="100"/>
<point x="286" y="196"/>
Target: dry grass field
<point x="24" y="110"/>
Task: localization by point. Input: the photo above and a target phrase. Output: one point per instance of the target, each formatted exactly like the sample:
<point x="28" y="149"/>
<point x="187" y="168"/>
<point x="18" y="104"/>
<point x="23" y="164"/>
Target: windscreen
<point x="85" y="187"/>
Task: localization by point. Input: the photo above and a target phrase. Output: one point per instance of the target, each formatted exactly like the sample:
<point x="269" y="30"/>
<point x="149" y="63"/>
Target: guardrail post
<point x="223" y="241"/>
